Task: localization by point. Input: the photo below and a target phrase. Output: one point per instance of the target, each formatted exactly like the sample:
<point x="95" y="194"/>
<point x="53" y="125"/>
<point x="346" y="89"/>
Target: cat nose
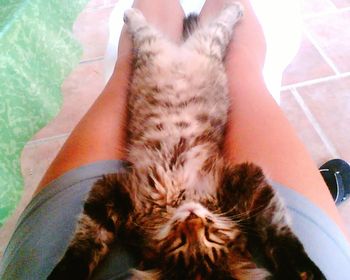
<point x="192" y="216"/>
<point x="191" y="228"/>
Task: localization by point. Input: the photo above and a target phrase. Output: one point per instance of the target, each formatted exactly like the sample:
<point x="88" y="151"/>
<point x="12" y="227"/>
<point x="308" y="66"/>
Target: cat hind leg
<point x="146" y="39"/>
<point x="213" y="39"/>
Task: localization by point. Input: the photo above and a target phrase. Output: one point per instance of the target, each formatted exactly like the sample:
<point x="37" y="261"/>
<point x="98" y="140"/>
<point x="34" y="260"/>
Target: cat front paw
<point x="134" y="19"/>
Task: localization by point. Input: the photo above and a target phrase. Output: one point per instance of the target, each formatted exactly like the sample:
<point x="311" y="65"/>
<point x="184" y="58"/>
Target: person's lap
<point x="43" y="233"/>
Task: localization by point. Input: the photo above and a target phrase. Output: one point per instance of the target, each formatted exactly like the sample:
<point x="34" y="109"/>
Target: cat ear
<point x="145" y="275"/>
<point x="106" y="209"/>
<point x="241" y="184"/>
<point x="247" y="174"/>
<point x="110" y="197"/>
<point x="246" y="193"/>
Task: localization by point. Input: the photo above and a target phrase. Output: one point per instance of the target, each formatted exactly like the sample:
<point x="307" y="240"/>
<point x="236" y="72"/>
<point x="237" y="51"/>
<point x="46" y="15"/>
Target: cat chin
<point x="144" y="275"/>
<point x="256" y="274"/>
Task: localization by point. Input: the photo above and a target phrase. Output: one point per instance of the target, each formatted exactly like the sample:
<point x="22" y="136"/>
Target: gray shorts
<point x="45" y="227"/>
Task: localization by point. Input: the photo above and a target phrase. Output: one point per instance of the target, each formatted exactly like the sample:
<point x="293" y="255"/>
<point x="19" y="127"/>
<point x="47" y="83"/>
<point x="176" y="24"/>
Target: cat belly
<point x="183" y="101"/>
<point x="178" y="107"/>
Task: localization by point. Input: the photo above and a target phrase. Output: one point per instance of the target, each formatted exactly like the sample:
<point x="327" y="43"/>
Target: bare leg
<point x="258" y="131"/>
<point x="100" y="135"/>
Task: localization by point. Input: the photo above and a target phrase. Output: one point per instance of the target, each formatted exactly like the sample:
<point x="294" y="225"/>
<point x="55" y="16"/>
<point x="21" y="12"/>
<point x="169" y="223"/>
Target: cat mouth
<point x="193" y="235"/>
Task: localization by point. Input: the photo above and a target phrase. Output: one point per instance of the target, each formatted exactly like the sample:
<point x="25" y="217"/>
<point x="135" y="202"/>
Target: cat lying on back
<point x="190" y="214"/>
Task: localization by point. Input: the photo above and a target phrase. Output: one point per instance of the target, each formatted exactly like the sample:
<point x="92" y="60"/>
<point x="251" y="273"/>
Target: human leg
<point x="100" y="135"/>
<point x="257" y="129"/>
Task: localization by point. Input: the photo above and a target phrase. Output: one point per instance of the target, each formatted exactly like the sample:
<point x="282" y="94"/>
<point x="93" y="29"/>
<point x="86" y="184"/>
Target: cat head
<point x="191" y="238"/>
<point x="196" y="243"/>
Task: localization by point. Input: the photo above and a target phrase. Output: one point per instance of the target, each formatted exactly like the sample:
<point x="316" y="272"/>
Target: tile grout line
<point x="322" y="53"/>
<point x="46" y="139"/>
<point x="330" y="147"/>
<point x="99" y="8"/>
<point x="95" y="59"/>
<point x="315" y="81"/>
<point x="330" y="2"/>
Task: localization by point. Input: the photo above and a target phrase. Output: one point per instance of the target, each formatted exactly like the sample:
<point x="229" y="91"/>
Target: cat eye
<point x="183" y="238"/>
<point x="215" y="253"/>
<point x="207" y="236"/>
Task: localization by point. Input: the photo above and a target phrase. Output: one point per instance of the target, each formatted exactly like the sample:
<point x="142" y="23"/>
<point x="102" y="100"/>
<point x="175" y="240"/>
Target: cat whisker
<point x="153" y="227"/>
<point x="246" y="214"/>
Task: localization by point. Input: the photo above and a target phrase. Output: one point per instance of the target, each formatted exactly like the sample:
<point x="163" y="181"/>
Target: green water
<point x="37" y="51"/>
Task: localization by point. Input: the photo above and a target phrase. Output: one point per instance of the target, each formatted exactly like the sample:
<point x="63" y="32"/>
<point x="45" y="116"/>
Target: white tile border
<point x="333" y="11"/>
<point x="324" y="138"/>
<point x="327" y="59"/>
<point x="36" y="142"/>
<point x="331" y="3"/>
<point x="315" y="81"/>
<point x="321" y="51"/>
<point x="98" y="58"/>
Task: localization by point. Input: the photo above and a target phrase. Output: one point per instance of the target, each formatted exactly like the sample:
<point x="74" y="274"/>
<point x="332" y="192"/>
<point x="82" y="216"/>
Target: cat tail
<point x="190" y="24"/>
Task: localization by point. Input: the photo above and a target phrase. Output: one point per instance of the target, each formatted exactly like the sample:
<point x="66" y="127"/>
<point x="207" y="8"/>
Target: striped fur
<point x="189" y="214"/>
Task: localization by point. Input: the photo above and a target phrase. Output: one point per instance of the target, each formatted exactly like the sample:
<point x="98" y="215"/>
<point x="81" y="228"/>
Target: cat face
<point x="193" y="230"/>
<point x="196" y="243"/>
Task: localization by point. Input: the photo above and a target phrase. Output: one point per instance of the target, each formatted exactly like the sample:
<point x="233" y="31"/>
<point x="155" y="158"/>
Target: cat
<point x="188" y="213"/>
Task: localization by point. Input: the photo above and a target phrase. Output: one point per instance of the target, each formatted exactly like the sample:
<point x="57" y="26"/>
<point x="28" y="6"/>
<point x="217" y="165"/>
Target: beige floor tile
<point x="341" y="3"/>
<point x="91" y="30"/>
<point x="96" y="4"/>
<point x="307" y="65"/>
<point x="311" y="7"/>
<point x="304" y="128"/>
<point x="329" y="102"/>
<point x="80" y="90"/>
<point x="332" y="34"/>
<point x="35" y="160"/>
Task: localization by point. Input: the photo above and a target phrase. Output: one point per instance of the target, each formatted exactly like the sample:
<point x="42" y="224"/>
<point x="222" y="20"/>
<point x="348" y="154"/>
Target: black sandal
<point x="336" y="174"/>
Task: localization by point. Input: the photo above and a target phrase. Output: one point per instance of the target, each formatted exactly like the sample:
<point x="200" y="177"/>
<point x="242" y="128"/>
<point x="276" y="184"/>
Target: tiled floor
<point x="315" y="94"/>
<point x="316" y="86"/>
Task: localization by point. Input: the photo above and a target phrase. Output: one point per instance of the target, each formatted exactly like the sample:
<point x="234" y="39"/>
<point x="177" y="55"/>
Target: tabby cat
<point x="190" y="214"/>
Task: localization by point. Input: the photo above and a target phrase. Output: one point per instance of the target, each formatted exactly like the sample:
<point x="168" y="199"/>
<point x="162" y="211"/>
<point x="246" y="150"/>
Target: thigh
<point x="257" y="129"/>
<point x="101" y="133"/>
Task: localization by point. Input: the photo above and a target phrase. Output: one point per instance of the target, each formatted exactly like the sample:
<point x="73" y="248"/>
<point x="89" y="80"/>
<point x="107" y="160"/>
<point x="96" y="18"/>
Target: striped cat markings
<point x="186" y="211"/>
